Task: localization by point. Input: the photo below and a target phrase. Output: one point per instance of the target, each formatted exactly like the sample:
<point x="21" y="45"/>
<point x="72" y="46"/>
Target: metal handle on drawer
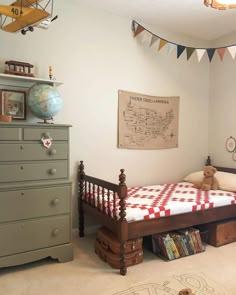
<point x="53" y="171"/>
<point x="55" y="232"/>
<point x="55" y="201"/>
<point x="21" y="167"/>
<point x="21" y="147"/>
<point x="52" y="152"/>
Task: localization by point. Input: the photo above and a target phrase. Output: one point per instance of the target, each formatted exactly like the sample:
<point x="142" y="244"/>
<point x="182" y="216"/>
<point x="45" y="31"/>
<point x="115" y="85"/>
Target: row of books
<point x="179" y="243"/>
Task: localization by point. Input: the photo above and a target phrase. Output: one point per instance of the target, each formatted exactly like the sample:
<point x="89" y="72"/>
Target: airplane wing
<point x="25" y="3"/>
<point x="30" y="19"/>
<point x="14" y="11"/>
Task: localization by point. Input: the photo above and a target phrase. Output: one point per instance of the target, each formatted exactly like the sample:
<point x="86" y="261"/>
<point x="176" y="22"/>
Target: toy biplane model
<point x="24" y="15"/>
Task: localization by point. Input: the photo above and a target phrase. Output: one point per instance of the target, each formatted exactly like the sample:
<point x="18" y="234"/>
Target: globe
<point x="44" y="101"/>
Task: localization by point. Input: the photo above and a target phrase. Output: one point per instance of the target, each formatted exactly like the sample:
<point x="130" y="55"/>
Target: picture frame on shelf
<point x="13" y="103"/>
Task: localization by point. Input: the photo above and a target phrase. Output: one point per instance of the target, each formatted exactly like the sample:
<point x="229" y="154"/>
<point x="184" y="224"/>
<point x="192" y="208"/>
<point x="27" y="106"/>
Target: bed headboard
<point x="223" y="169"/>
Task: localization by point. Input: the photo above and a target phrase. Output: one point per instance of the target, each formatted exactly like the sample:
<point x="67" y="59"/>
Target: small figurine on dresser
<point x="18" y="68"/>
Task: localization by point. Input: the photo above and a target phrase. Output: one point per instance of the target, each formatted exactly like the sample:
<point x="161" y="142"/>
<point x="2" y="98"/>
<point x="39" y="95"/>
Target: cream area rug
<point x="198" y="283"/>
<point x="209" y="273"/>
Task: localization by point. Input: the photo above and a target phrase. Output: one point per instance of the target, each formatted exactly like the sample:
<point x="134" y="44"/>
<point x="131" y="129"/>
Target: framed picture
<point x="234" y="156"/>
<point x="13" y="103"/>
<point x="230" y="144"/>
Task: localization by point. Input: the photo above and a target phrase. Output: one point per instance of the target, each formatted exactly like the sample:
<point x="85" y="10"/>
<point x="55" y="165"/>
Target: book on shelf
<point x="167" y="243"/>
<point x="186" y="238"/>
<point x="195" y="233"/>
<point x="178" y="243"/>
<point x="159" y="247"/>
<point x="162" y="246"/>
<point x="173" y="247"/>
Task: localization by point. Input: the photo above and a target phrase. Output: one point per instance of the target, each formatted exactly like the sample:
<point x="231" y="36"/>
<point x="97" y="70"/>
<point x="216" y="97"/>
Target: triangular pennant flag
<point x="133" y="27"/>
<point x="171" y="47"/>
<point x="180" y="50"/>
<point x="153" y="40"/>
<point x="190" y="51"/>
<point x="232" y="51"/>
<point x="221" y="52"/>
<point x="145" y="37"/>
<point x="138" y="30"/>
<point x="200" y="53"/>
<point x="210" y="52"/>
<point x="162" y="43"/>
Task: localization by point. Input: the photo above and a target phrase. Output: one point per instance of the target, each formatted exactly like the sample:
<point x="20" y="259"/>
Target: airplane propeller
<point x="54" y="18"/>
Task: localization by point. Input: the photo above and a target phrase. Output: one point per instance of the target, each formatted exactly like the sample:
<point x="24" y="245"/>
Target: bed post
<point x="208" y="161"/>
<point x="123" y="230"/>
<point x="80" y="198"/>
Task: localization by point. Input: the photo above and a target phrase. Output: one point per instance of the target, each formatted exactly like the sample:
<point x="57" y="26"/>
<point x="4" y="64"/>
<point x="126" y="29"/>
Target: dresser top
<point x="36" y="125"/>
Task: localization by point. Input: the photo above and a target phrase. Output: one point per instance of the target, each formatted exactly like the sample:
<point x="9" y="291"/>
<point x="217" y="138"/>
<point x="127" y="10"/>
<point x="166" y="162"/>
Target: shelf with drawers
<point x="35" y="194"/>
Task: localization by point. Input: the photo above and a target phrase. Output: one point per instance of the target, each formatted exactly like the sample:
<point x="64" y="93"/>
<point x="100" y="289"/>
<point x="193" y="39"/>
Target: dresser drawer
<point x="46" y="170"/>
<point x="18" y="237"/>
<point x="38" y="133"/>
<point x="32" y="151"/>
<point x="42" y="202"/>
<point x="10" y="133"/>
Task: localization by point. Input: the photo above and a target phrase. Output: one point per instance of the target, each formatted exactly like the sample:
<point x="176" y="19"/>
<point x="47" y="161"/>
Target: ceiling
<point x="189" y="17"/>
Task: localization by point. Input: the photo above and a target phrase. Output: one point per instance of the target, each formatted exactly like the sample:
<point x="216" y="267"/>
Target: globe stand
<point x="45" y="121"/>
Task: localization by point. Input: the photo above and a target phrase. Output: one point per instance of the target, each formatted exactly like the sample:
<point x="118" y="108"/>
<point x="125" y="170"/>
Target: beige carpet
<point x="209" y="273"/>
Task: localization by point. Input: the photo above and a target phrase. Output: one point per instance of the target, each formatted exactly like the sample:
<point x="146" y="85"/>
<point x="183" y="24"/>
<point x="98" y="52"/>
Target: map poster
<point x="147" y="122"/>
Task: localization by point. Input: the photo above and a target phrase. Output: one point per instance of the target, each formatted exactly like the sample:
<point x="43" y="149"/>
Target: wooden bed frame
<point x="124" y="230"/>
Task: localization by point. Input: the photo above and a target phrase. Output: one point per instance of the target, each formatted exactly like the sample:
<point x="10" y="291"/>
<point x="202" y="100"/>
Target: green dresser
<point x="35" y="193"/>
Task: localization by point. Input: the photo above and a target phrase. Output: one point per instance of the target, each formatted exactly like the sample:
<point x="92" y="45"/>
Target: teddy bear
<point x="186" y="291"/>
<point x="209" y="181"/>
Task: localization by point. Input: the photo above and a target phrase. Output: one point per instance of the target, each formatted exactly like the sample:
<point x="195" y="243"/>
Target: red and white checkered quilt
<point x="165" y="200"/>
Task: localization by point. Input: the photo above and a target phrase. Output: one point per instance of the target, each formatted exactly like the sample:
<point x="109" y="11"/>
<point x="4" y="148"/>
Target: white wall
<point x="222" y="104"/>
<point x="95" y="54"/>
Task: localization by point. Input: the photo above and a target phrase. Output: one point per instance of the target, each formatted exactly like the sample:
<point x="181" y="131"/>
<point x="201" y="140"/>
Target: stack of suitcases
<point x="107" y="247"/>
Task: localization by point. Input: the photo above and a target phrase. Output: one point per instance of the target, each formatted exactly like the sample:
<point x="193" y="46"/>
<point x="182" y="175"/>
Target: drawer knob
<point x="53" y="152"/>
<point x="55" y="232"/>
<point x="55" y="201"/>
<point x="21" y="147"/>
<point x="53" y="171"/>
<point x="21" y="167"/>
<point x="46" y="134"/>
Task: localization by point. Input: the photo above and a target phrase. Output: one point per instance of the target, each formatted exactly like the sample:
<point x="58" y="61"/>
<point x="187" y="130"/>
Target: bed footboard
<point x="105" y="201"/>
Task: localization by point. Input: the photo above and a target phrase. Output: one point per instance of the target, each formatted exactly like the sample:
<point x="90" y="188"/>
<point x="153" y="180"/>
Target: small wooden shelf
<point x="29" y="79"/>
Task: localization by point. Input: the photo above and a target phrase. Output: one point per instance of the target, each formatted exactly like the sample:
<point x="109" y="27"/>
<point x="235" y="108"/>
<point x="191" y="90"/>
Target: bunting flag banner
<point x="190" y="51"/>
<point x="145" y="38"/>
<point x="162" y="43"/>
<point x="138" y="30"/>
<point x="210" y="52"/>
<point x="221" y="52"/>
<point x="232" y="51"/>
<point x="171" y="47"/>
<point x="200" y="53"/>
<point x="180" y="50"/>
<point x="152" y="39"/>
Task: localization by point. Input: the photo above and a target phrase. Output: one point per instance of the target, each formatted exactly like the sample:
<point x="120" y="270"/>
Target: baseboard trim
<point x="89" y="230"/>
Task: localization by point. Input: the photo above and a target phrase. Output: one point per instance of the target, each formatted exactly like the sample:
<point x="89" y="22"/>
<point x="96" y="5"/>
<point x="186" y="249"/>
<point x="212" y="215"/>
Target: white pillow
<point x="227" y="181"/>
<point x="194" y="177"/>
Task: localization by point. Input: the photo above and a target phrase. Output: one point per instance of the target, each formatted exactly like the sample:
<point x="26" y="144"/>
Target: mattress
<point x="161" y="200"/>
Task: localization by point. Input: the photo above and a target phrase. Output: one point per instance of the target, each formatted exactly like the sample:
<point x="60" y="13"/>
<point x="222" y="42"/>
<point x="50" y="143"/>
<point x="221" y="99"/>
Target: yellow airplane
<point x="23" y="15"/>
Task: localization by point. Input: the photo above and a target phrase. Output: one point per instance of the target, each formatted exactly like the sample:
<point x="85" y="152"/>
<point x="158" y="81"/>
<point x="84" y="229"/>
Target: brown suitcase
<point x="221" y="232"/>
<point x="109" y="242"/>
<point x="113" y="259"/>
